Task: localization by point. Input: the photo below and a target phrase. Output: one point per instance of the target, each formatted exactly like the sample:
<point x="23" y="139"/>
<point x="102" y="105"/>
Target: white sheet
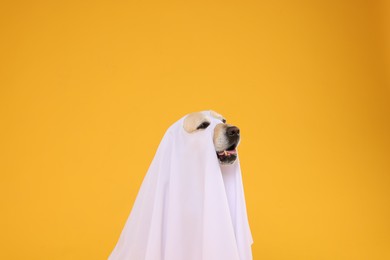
<point x="189" y="207"/>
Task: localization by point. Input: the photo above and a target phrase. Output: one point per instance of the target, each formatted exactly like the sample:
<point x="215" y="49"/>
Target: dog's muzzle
<point x="229" y="155"/>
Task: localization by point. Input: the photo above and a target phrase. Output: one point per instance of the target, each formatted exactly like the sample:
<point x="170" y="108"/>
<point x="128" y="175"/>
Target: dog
<point x="191" y="205"/>
<point x="226" y="137"/>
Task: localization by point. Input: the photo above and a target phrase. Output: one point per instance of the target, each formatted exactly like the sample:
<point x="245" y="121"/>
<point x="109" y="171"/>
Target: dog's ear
<point x="195" y="121"/>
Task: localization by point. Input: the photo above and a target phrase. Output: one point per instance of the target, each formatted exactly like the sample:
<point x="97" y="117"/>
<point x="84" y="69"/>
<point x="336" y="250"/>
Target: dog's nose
<point x="232" y="131"/>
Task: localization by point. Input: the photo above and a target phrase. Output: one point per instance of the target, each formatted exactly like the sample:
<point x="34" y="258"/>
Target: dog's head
<point x="226" y="137"/>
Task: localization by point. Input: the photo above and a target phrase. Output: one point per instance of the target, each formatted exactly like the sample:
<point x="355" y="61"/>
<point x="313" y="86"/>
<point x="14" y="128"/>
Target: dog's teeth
<point x="225" y="153"/>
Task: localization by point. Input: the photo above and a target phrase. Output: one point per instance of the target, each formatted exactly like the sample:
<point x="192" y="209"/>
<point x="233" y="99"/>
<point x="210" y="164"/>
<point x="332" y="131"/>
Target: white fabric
<point x="189" y="207"/>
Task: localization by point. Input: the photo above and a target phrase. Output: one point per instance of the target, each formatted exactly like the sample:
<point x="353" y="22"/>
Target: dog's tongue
<point x="228" y="152"/>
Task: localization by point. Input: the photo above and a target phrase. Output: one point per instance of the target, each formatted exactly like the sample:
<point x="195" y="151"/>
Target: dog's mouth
<point x="228" y="156"/>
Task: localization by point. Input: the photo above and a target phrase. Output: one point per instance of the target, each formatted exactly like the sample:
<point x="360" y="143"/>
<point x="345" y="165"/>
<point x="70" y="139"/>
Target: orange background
<point x="88" y="88"/>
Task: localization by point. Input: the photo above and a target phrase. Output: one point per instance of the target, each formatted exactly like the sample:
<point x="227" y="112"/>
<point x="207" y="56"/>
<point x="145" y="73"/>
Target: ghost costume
<point x="189" y="207"/>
